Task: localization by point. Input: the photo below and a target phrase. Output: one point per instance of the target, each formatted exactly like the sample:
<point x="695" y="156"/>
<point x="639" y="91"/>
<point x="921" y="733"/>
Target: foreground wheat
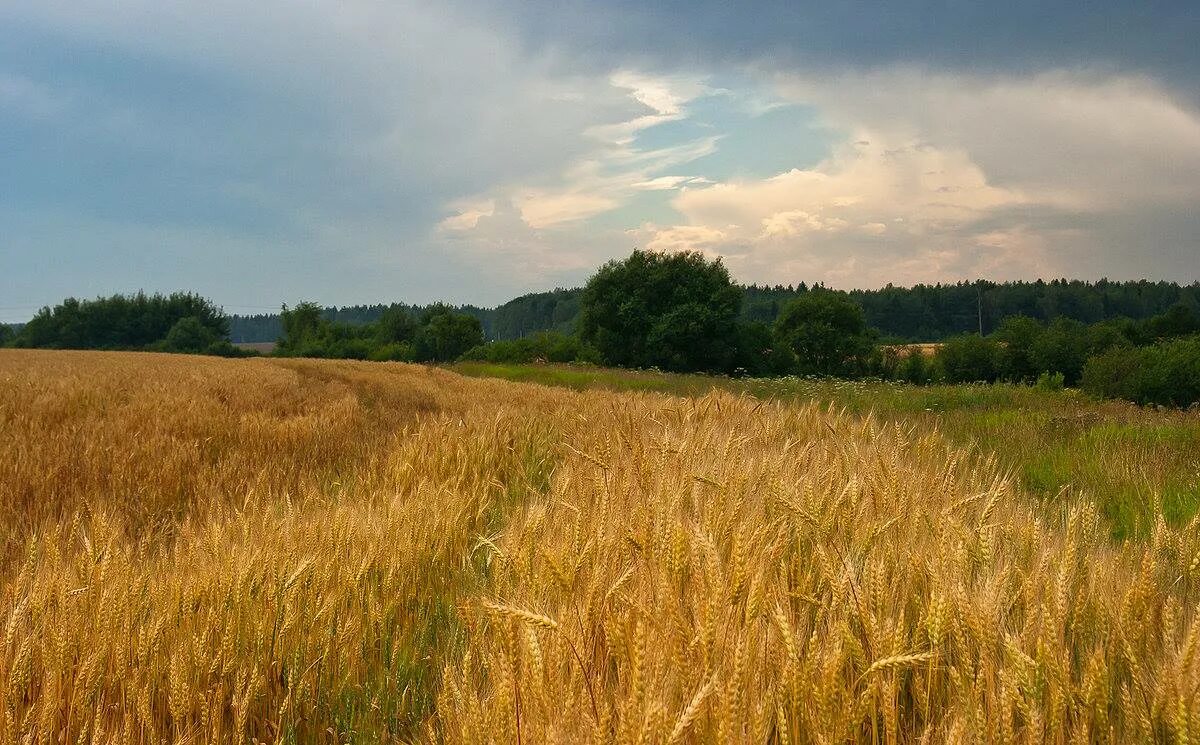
<point x="220" y="551"/>
<point x="731" y="571"/>
<point x="212" y="551"/>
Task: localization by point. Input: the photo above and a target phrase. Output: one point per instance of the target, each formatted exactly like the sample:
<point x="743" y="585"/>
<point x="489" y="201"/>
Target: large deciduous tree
<point x="303" y="328"/>
<point x="827" y="332"/>
<point x="674" y="311"/>
<point x="444" y="334"/>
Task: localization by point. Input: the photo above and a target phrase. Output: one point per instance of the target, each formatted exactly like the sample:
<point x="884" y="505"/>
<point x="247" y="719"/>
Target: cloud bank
<point x="946" y="177"/>
<point x="369" y="150"/>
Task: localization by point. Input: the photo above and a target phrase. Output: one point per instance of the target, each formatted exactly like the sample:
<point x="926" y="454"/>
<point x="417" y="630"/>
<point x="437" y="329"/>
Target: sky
<point x="357" y="151"/>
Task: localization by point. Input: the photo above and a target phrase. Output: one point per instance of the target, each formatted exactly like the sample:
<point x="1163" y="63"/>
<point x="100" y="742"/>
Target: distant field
<point x="262" y="347"/>
<point x="198" y="549"/>
<point x="1134" y="463"/>
<point x="928" y="349"/>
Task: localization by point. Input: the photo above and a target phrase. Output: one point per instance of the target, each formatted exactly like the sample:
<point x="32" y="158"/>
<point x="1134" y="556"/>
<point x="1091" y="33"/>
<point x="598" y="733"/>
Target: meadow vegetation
<point x="279" y="550"/>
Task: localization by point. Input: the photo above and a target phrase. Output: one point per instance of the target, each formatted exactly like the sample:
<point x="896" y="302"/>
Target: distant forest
<point x="682" y="312"/>
<point x="556" y="310"/>
<point x="923" y="313"/>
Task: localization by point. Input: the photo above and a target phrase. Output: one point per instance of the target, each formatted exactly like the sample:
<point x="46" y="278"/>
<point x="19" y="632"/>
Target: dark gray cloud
<point x="271" y="151"/>
<point x="1157" y="38"/>
<point x="268" y="152"/>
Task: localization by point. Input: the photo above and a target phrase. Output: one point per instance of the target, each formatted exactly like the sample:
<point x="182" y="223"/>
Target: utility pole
<point x="979" y="296"/>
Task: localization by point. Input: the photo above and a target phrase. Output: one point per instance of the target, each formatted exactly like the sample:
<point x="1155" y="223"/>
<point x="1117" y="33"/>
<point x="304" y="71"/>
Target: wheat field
<point x="207" y="550"/>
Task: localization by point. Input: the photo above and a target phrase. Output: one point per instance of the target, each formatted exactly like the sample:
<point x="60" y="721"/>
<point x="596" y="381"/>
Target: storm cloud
<point x="469" y="151"/>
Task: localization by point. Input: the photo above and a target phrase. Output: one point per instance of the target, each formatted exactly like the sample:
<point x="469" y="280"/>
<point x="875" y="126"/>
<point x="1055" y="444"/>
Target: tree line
<point x="1152" y="361"/>
<point x="932" y="313"/>
<point x="682" y="312"/>
<point x="922" y="313"/>
<point x="188" y="323"/>
<point x="269" y="327"/>
<point x="556" y="310"/>
<point x="437" y="333"/>
<point x="179" y="322"/>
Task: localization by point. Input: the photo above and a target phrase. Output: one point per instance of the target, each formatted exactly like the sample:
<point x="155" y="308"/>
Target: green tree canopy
<point x="119" y="321"/>
<point x="1067" y="344"/>
<point x="827" y="331"/>
<point x="1019" y="334"/>
<point x="396" y="325"/>
<point x="1179" y="320"/>
<point x="757" y="353"/>
<point x="303" y="327"/>
<point x="673" y="311"/>
<point x="1167" y="373"/>
<point x="970" y="358"/>
<point x="444" y="335"/>
<point x="189" y="334"/>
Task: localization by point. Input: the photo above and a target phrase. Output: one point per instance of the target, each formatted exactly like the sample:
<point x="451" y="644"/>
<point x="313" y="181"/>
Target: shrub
<point x="441" y="335"/>
<point x="1049" y="381"/>
<point x="1167" y="374"/>
<point x="1063" y="347"/>
<point x="970" y="358"/>
<point x="224" y="348"/>
<point x="915" y="368"/>
<point x="1178" y="321"/>
<point x="444" y="334"/>
<point x="394" y="352"/>
<point x="758" y="354"/>
<point x="1114" y="374"/>
<point x="395" y="325"/>
<point x="124" y="322"/>
<point x="546" y="346"/>
<point x="189" y="334"/>
<point x="1105" y="335"/>
<point x="303" y="328"/>
<point x="1019" y="334"/>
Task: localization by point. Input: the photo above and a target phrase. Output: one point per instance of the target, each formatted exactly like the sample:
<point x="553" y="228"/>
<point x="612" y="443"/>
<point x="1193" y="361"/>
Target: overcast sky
<point x="351" y="151"/>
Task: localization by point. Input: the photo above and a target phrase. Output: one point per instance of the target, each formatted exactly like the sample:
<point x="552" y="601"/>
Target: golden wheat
<point x="202" y="550"/>
<point x="822" y="579"/>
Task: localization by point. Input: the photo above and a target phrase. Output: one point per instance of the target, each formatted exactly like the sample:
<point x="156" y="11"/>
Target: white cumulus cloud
<point x="943" y="177"/>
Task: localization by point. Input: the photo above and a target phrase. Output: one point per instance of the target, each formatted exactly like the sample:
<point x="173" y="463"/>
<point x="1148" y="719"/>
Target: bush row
<point x="438" y="334"/>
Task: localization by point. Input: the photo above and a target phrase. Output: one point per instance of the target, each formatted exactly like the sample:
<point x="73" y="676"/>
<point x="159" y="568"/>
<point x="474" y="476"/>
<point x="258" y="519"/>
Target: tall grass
<point x="1133" y="463"/>
<point x="204" y="550"/>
